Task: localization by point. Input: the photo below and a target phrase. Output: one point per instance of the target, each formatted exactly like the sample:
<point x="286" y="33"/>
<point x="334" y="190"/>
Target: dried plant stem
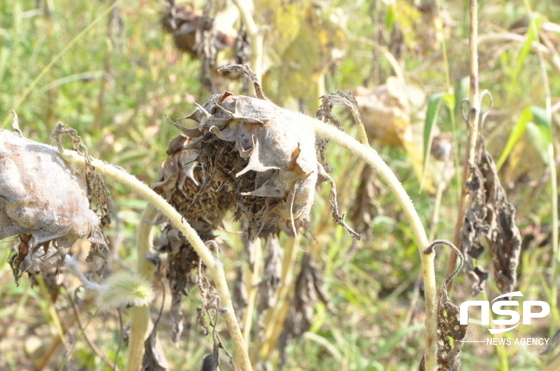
<point x="274" y="320"/>
<point x="362" y="133"/>
<point x="213" y="264"/>
<point x="555" y="244"/>
<point x="256" y="37"/>
<point x="474" y="113"/>
<point x="473" y="128"/>
<point x="140" y="316"/>
<point x="144" y="238"/>
<point x="369" y="155"/>
<point x="252" y="274"/>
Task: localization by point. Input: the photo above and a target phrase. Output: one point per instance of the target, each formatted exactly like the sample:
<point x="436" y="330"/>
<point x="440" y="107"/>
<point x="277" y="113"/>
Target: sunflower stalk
<point x="213" y="264"/>
<point x="371" y="157"/>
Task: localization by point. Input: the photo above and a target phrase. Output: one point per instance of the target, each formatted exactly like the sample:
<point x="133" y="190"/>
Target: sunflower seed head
<point x="41" y="197"/>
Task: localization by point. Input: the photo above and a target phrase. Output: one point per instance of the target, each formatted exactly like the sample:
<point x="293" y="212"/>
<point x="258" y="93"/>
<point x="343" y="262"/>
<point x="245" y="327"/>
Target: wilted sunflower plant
<point x="246" y="156"/>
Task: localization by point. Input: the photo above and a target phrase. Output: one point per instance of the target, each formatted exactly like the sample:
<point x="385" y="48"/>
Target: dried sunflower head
<point x="265" y="156"/>
<point x="42" y="199"/>
<point x="246" y="155"/>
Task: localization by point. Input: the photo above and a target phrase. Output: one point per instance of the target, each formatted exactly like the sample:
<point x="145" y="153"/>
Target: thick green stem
<point x="369" y="155"/>
<point x="139" y="326"/>
<point x="144" y="238"/>
<point x="140" y="316"/>
<point x="213" y="264"/>
<point x="473" y="120"/>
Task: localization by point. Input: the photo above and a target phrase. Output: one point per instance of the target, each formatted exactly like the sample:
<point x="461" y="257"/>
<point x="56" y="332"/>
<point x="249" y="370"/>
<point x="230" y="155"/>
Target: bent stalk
<point x="369" y="155"/>
<point x="213" y="264"/>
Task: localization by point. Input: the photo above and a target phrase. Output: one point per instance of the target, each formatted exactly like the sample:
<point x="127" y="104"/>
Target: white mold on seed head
<point x="41" y="195"/>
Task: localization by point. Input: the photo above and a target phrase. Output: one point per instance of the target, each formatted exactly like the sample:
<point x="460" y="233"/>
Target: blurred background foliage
<point x="107" y="69"/>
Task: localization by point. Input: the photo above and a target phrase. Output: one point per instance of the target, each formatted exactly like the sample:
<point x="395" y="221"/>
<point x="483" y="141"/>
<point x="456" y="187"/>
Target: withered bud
<point x="41" y="198"/>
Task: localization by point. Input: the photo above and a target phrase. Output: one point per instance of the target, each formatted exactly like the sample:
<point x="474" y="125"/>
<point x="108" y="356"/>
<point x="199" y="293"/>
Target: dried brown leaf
<point x="490" y="215"/>
<point x="212" y="360"/>
<point x="450" y="332"/>
<point x="202" y="35"/>
<point x="154" y="357"/>
<point x="182" y="260"/>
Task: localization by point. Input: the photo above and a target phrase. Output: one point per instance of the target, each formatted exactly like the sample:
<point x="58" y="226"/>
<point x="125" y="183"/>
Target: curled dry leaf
<point x="325" y="114"/>
<point x="450" y="334"/>
<point x="42" y="199"/>
<point x="47" y="265"/>
<point x="490" y="215"/>
<point x="182" y="260"/>
<point x="212" y="360"/>
<point x="450" y="331"/>
<point x="154" y="357"/>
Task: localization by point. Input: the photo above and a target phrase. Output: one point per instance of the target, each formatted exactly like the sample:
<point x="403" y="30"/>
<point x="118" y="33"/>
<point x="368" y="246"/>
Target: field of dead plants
<point x="278" y="185"/>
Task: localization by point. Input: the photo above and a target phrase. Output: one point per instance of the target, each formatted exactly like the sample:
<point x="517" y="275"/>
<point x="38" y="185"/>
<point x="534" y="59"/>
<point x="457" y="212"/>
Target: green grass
<point x="58" y="64"/>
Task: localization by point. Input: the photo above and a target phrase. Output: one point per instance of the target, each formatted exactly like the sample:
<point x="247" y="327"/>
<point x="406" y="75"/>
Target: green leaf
<point x="531" y="36"/>
<point x="394" y="340"/>
<point x="535" y="120"/>
<point x="390" y="17"/>
<point x="431" y="117"/>
<point x="330" y="347"/>
<point x="449" y="100"/>
<point x="516" y="134"/>
<point x="542" y="122"/>
<point x="540" y="132"/>
<point x="432" y="112"/>
<point x="538" y="140"/>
